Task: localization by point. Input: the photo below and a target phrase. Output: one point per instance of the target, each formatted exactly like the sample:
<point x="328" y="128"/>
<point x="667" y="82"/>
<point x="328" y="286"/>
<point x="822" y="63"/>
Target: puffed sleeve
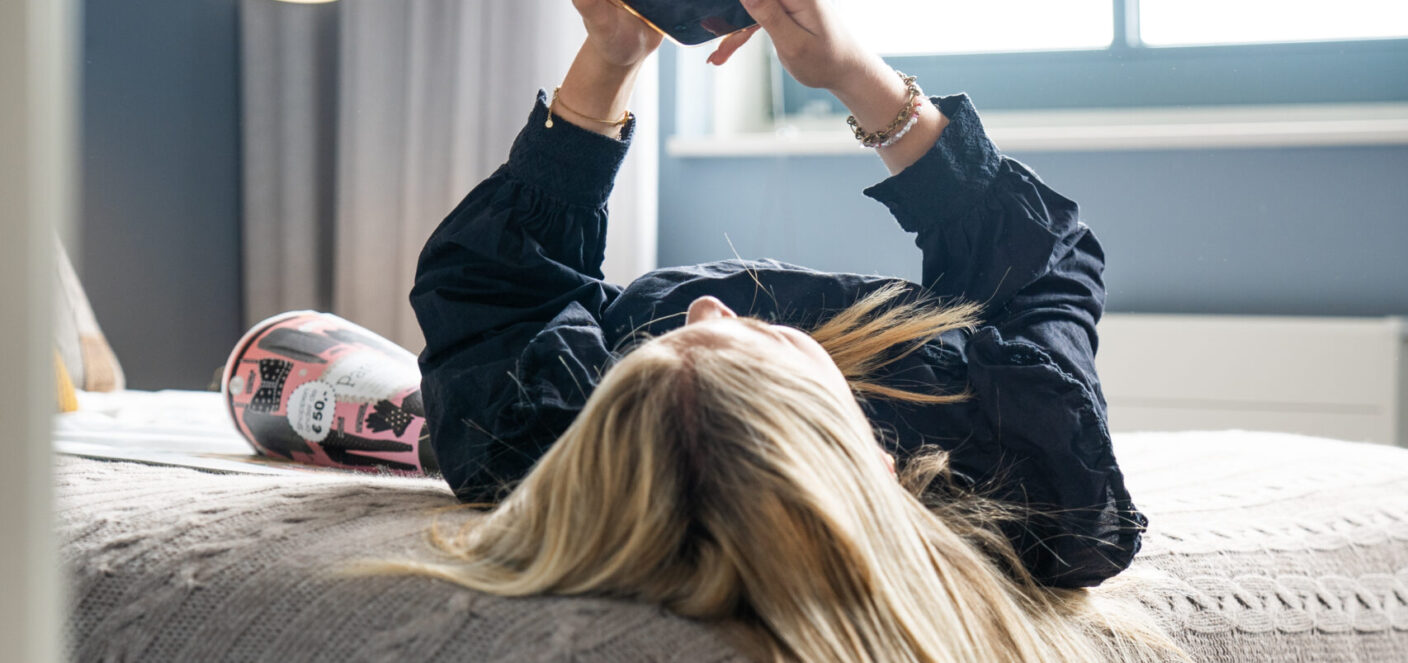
<point x="992" y="232"/>
<point x="509" y="294"/>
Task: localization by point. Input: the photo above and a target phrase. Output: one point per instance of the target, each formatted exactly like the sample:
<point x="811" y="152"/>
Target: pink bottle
<point x="314" y="388"/>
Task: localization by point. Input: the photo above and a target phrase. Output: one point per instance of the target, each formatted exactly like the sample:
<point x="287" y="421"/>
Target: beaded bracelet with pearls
<point x="906" y="120"/>
<point x="913" y="120"/>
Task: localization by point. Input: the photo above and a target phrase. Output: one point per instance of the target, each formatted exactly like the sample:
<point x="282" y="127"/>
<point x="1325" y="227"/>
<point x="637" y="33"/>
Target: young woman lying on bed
<point x="722" y="439"/>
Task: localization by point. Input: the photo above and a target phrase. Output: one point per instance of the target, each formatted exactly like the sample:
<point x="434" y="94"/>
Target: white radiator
<point x="1345" y="378"/>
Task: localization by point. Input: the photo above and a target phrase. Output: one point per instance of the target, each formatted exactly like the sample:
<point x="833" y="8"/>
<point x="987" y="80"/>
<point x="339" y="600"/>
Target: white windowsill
<point x="1100" y="130"/>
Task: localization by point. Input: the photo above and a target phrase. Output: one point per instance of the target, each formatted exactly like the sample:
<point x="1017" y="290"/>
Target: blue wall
<point x="1297" y="231"/>
<point x="160" y="210"/>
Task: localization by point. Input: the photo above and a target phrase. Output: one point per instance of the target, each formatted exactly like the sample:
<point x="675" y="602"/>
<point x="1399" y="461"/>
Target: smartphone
<point x="691" y="22"/>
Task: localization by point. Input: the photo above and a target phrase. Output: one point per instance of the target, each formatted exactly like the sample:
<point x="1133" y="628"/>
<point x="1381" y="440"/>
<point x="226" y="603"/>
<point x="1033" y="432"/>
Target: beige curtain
<point x="366" y="121"/>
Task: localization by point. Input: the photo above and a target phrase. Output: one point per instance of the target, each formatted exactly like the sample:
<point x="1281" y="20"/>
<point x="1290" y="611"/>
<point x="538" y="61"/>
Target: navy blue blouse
<point x="519" y="327"/>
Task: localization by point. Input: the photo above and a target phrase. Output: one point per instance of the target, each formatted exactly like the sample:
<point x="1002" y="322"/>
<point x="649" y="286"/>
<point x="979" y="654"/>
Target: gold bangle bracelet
<point x="557" y="92"/>
<point x="910" y="110"/>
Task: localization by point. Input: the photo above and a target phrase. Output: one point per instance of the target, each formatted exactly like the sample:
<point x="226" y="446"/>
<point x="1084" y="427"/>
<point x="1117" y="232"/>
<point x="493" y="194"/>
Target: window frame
<point x="1129" y="74"/>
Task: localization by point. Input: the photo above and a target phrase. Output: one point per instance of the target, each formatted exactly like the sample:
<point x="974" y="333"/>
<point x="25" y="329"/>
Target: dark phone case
<point x="691" y="22"/>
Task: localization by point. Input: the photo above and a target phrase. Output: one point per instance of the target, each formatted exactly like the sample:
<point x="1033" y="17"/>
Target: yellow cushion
<point x="68" y="398"/>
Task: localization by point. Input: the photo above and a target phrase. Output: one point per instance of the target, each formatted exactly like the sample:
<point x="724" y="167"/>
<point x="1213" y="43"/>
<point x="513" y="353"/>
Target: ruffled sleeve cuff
<point x="950" y="177"/>
<point x="567" y="162"/>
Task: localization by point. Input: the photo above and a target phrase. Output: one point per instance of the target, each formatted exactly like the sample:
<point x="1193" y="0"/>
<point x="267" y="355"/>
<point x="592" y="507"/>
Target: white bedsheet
<point x="186" y="428"/>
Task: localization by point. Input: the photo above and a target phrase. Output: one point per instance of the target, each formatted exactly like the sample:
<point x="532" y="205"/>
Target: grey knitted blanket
<point x="1261" y="547"/>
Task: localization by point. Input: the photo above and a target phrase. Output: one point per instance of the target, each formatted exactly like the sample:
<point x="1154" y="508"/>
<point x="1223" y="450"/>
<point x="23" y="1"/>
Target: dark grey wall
<point x="160" y="207"/>
<point x="1304" y="231"/>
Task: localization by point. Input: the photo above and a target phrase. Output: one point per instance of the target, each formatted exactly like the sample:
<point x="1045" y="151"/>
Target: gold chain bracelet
<point x="885" y="137"/>
<point x="557" y="92"/>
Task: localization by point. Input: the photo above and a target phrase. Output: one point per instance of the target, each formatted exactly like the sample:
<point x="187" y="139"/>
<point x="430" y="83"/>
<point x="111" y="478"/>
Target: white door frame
<point x="37" y="112"/>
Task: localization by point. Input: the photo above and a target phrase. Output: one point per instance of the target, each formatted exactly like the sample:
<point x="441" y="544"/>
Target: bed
<point x="1261" y="547"/>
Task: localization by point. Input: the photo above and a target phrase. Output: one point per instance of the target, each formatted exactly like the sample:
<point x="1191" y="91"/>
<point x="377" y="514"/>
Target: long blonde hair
<point x="727" y="487"/>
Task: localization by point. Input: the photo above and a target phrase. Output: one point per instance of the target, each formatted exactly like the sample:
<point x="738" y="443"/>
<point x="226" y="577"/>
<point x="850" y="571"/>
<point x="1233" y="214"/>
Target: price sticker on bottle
<point x="310" y="410"/>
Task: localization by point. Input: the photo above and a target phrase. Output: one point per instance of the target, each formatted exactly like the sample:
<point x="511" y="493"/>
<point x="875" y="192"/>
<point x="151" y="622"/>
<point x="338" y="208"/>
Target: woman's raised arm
<point x="991" y="231"/>
<point x="509" y="289"/>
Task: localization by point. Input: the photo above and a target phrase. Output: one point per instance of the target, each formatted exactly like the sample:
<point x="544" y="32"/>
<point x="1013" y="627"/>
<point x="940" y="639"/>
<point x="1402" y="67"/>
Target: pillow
<point x="83" y="350"/>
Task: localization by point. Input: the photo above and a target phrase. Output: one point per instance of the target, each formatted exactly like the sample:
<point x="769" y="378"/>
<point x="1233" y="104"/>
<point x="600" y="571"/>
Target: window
<point x="925" y="27"/>
<point x="1072" y="54"/>
<point x="932" y="27"/>
<point x="1203" y="22"/>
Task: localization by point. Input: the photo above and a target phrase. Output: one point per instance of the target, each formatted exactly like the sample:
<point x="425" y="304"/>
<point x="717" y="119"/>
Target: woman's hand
<point x="819" y="52"/>
<point x="615" y="35"/>
<point x="811" y="42"/>
<point x="597" y="89"/>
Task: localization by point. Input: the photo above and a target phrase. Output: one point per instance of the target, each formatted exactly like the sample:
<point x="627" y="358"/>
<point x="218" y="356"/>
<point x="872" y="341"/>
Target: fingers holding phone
<point x="811" y="42"/>
<point x="617" y="36"/>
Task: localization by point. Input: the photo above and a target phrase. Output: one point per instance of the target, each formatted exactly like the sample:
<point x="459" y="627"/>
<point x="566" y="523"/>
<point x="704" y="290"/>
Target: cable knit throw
<point x="1261" y="547"/>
